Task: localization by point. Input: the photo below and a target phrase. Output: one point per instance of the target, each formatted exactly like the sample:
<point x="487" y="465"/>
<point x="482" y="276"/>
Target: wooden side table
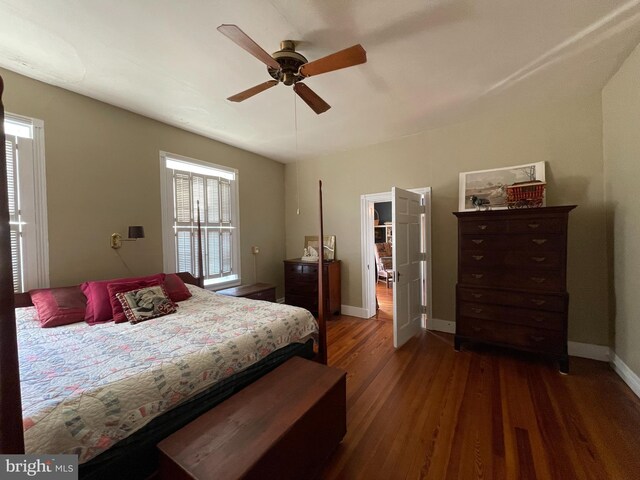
<point x="254" y="291"/>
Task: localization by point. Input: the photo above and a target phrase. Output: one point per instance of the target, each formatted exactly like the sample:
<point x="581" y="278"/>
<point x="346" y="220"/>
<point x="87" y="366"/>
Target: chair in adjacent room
<point x="384" y="262"/>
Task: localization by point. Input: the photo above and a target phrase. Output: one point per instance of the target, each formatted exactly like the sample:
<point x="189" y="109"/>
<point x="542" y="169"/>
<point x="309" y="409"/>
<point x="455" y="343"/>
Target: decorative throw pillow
<point x="175" y="287"/>
<point x="98" y="304"/>
<point x="146" y="303"/>
<point x="121" y="287"/>
<point x="59" y="306"/>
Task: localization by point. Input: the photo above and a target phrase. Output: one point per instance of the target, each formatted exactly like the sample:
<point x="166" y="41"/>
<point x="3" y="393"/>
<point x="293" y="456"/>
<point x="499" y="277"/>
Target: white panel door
<point x="407" y="211"/>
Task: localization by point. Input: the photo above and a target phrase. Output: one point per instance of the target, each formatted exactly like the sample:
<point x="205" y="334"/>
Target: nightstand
<point x="254" y="291"/>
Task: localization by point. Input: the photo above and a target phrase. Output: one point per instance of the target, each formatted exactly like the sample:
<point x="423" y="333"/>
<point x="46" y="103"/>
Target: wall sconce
<point x="135" y="232"/>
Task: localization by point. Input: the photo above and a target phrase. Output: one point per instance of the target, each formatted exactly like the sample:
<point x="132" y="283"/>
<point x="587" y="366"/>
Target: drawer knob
<point x="482" y="227"/>
<point x="476" y="295"/>
<point x="538" y="301"/>
<point x="536" y="338"/>
<point x="538" y="259"/>
<point x="477" y="241"/>
<point x="539" y="241"/>
<point x="478" y="257"/>
<point x="538" y="279"/>
<point x="477" y="310"/>
<point x="477" y="275"/>
<point x="534" y="225"/>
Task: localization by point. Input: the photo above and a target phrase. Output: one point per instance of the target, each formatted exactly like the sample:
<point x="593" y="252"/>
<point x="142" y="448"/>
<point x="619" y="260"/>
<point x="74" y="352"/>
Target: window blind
<point x="15" y="223"/>
<point x="213" y="194"/>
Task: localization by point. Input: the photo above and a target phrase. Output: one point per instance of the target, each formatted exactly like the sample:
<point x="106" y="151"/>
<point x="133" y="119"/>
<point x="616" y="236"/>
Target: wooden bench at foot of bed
<point x="283" y="426"/>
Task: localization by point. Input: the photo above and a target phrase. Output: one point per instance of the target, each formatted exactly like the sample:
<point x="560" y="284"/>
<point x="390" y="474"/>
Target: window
<point x="187" y="183"/>
<point x="24" y="143"/>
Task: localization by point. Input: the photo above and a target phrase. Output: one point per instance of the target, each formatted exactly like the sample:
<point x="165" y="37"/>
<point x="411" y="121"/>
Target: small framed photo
<point x="329" y="245"/>
<point x="490" y="186"/>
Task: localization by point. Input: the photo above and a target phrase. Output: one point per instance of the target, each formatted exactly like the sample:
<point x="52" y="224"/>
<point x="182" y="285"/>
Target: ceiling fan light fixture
<point x="290" y="67"/>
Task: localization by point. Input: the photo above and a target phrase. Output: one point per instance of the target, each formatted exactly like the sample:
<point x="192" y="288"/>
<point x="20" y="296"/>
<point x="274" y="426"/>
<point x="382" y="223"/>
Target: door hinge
<point x="423" y="256"/>
<point x="424" y="310"/>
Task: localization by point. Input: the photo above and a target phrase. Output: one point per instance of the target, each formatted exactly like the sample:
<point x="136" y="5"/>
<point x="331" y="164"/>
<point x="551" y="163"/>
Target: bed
<point x="110" y="392"/>
<point x="86" y="389"/>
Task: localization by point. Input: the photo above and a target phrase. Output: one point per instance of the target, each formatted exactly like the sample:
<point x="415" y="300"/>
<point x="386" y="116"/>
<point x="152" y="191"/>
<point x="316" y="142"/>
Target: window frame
<point x="167" y="213"/>
<point x="33" y="185"/>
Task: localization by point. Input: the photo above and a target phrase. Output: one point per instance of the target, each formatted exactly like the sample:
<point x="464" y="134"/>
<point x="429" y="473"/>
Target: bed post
<point x="11" y="434"/>
<point x="322" y="323"/>
<point x="200" y="249"/>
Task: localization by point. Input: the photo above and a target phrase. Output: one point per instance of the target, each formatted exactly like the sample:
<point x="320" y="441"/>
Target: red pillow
<point x="98" y="304"/>
<point x="175" y="288"/>
<point x="122" y="287"/>
<point x="59" y="306"/>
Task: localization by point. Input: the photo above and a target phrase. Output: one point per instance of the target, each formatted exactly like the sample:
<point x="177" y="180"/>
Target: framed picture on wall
<point x="490" y="186"/>
<point x="329" y="245"/>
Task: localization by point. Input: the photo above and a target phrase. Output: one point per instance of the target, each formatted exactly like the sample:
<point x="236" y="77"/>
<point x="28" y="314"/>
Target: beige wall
<point x="621" y="118"/>
<point x="567" y="136"/>
<point x="103" y="174"/>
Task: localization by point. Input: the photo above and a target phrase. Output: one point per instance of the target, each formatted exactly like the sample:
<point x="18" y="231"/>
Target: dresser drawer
<point x="483" y="242"/>
<point x="537" y="243"/>
<point x="309" y="302"/>
<point x="530" y="338"/>
<point x="533" y="244"/>
<point x="549" y="281"/>
<point x="512" y="315"/>
<point x="483" y="227"/>
<point x="481" y="258"/>
<point x="480" y="277"/>
<point x="301" y="288"/>
<point x="301" y="270"/>
<point x="549" y="260"/>
<point x="552" y="303"/>
<point x="516" y="258"/>
<point x="535" y="225"/>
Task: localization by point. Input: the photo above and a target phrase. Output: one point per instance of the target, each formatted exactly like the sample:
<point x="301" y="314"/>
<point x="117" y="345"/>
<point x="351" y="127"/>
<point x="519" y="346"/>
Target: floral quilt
<point x="85" y="387"/>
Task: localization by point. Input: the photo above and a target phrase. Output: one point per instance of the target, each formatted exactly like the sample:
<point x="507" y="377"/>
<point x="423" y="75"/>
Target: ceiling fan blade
<point x="310" y="97"/>
<point x="243" y="40"/>
<point x="239" y="97"/>
<point x="344" y="58"/>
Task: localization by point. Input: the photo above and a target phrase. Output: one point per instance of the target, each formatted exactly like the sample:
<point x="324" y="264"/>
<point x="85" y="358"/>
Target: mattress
<point x="85" y="388"/>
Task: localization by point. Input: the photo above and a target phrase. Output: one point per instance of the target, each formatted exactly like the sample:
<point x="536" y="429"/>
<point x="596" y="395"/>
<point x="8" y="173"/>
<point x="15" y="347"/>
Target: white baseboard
<point x="353" y="311"/>
<point x="588" y="350"/>
<point x="439" y="325"/>
<point x="628" y="376"/>
<point x="280" y="300"/>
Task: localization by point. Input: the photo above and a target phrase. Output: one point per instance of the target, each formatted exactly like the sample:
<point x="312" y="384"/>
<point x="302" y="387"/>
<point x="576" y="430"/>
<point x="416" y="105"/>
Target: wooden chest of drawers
<point x="301" y="285"/>
<point x="512" y="275"/>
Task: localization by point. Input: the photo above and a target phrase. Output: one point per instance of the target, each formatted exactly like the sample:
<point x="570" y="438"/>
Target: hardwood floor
<point x="425" y="411"/>
<point x="385" y="302"/>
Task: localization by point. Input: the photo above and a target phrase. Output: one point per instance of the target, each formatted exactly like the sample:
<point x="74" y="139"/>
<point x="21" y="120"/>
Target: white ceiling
<point x="429" y="61"/>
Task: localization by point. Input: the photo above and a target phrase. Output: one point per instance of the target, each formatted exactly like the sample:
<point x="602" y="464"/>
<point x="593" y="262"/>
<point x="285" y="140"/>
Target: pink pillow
<point x="175" y="288"/>
<point x="98" y="304"/>
<point x="59" y="306"/>
<point x="123" y="287"/>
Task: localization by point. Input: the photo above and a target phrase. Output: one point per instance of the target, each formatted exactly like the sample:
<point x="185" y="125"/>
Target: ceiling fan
<point x="290" y="67"/>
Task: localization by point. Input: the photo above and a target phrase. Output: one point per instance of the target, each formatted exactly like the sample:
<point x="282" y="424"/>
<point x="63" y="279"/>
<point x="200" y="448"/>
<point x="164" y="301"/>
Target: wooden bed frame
<point x="11" y="428"/>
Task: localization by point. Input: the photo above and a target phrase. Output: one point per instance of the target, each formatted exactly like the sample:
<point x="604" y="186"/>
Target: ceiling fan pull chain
<point x="295" y="121"/>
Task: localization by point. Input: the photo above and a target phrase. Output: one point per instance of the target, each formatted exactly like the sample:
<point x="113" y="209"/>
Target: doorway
<point x="383" y="239"/>
<point x="374" y="206"/>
